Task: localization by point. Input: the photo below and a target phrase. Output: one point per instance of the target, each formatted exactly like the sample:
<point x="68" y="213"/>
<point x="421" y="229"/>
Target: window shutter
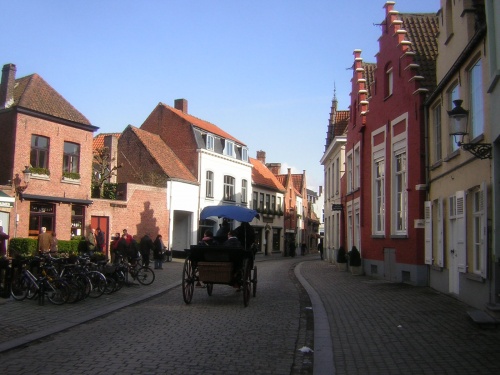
<point x="461" y="231"/>
<point x="428" y="232"/>
<point x="440" y="234"/>
<point x="484" y="220"/>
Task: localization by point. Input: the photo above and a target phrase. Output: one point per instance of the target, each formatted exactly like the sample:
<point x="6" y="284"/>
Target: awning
<point x="6" y="200"/>
<point x="46" y="198"/>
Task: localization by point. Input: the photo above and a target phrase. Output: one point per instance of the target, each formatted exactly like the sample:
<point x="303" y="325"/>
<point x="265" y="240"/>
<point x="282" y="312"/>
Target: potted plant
<point x="341" y="259"/>
<point x="355" y="261"/>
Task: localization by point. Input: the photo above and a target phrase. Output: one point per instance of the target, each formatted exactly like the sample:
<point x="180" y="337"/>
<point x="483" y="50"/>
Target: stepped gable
<point x="163" y="155"/>
<point x="33" y="93"/>
<point x="262" y="176"/>
<point x="422" y="30"/>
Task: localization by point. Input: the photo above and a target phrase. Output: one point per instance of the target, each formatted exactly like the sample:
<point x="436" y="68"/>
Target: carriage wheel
<point x="188" y="281"/>
<point x="210" y="288"/>
<point x="254" y="281"/>
<point x="247" y="283"/>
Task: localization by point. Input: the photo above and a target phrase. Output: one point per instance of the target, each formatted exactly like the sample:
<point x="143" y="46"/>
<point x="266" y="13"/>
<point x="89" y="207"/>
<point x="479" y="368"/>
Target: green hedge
<point x="28" y="246"/>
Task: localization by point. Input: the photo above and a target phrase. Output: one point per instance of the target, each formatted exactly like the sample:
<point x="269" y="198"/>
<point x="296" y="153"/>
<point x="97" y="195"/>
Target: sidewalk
<point x="24" y="321"/>
<point x="376" y="327"/>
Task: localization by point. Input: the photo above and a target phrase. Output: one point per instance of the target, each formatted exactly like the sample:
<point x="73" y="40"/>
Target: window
<point x="71" y="157"/>
<point x="244" y="187"/>
<point x="389" y="81"/>
<point x="349" y="173"/>
<point x="436" y="114"/>
<point x="229" y="188"/>
<point x="209" y="185"/>
<point x="268" y="201"/>
<point x="453" y="94"/>
<point x="357" y="172"/>
<point x="77" y="220"/>
<point x="39" y="156"/>
<point x="400" y="193"/>
<point x="261" y="201"/>
<point x="273" y="203"/>
<point x="41" y="215"/>
<point x="337" y="177"/>
<point x="255" y="200"/>
<point x="378" y="188"/>
<point x="244" y="154"/>
<point x="476" y="112"/>
<point x="229" y="149"/>
<point x="279" y="204"/>
<point x="479" y="231"/>
<point x="210" y="142"/>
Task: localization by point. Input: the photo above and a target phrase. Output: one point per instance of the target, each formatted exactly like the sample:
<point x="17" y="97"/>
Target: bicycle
<point x="27" y="285"/>
<point x="144" y="275"/>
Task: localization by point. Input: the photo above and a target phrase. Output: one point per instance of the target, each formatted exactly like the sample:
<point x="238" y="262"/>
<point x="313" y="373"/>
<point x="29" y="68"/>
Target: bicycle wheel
<point x="145" y="276"/>
<point x="57" y="291"/>
<point x="20" y="287"/>
<point x="120" y="279"/>
<point x="97" y="282"/>
<point x="110" y="285"/>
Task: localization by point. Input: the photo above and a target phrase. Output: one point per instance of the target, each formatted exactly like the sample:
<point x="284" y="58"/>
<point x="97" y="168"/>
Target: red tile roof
<point x="262" y="176"/>
<point x="163" y="155"/>
<point x="32" y="92"/>
<point x="205" y="125"/>
<point x="99" y="139"/>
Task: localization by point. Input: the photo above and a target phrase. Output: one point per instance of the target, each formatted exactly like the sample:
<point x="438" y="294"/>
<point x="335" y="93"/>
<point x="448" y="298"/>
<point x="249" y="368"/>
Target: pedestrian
<point x="291" y="248"/>
<point x="3" y="236"/>
<point x="54" y="244"/>
<point x="158" y="250"/>
<point x="303" y="249"/>
<point x="90" y="239"/>
<point x="122" y="248"/>
<point x="100" y="240"/>
<point x="145" y="247"/>
<point x="44" y="241"/>
<point x="115" y="240"/>
<point x="208" y="239"/>
<point x="232" y="240"/>
<point x="320" y="248"/>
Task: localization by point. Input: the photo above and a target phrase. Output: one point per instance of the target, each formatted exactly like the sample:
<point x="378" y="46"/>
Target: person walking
<point x="3" y="236"/>
<point x="158" y="249"/>
<point x="145" y="247"/>
<point x="44" y="241"/>
<point x="91" y="241"/>
<point x="100" y="240"/>
<point x="54" y="244"/>
<point x="114" y="248"/>
<point x="320" y="248"/>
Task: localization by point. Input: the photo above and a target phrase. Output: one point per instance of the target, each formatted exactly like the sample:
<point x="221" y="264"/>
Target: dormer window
<point x="389" y="81"/>
<point x="244" y="154"/>
<point x="229" y="149"/>
<point x="210" y="142"/>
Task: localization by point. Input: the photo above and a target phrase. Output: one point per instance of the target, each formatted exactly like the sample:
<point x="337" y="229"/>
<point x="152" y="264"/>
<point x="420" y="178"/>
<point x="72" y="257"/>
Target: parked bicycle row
<point x="69" y="280"/>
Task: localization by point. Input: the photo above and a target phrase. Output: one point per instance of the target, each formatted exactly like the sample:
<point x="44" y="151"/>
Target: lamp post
<point x="458" y="127"/>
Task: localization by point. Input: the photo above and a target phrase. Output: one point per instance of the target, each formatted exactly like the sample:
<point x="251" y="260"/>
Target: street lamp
<point x="26" y="178"/>
<point x="458" y="127"/>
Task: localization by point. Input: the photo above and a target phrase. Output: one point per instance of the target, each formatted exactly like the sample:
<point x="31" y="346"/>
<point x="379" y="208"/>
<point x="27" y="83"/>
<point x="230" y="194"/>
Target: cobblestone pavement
<point x="163" y="335"/>
<point x="361" y="326"/>
<point x="378" y="327"/>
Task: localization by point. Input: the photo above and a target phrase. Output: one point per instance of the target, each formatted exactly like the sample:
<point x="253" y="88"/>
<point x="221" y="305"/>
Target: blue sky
<point x="264" y="71"/>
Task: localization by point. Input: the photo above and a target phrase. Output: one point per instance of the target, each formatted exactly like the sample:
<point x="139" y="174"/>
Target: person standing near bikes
<point x="145" y="247"/>
<point x="159" y="247"/>
<point x="44" y="241"/>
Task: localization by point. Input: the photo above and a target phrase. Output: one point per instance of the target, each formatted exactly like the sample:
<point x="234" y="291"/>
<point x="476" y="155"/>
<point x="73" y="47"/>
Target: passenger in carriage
<point x="232" y="240"/>
<point x="208" y="239"/>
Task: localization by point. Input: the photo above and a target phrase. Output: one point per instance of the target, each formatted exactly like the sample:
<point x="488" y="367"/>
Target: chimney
<point x="181" y="105"/>
<point x="261" y="156"/>
<point x="7" y="86"/>
<point x="275" y="168"/>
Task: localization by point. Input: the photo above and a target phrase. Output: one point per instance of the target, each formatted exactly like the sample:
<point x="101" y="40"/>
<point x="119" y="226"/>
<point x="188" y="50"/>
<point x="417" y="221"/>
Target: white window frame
<point x="349" y="165"/>
<point x="389" y="81"/>
<point x="244" y="191"/>
<point x="229" y="182"/>
<point x="357" y="168"/>
<point x="476" y="100"/>
<point x="480" y="230"/>
<point x="209" y="184"/>
<point x="229" y="149"/>
<point x="453" y="94"/>
<point x="244" y="154"/>
<point x="349" y="227"/>
<point x="210" y="142"/>
<point x="400" y="194"/>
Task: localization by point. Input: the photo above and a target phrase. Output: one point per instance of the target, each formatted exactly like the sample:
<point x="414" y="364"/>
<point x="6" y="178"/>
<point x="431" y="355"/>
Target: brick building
<point x="44" y="132"/>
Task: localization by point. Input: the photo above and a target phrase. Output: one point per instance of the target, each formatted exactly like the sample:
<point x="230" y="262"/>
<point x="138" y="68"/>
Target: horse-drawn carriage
<point x="221" y="264"/>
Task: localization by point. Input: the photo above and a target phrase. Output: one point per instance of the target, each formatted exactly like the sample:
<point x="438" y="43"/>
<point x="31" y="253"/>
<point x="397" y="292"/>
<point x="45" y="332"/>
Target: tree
<point x="103" y="168"/>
